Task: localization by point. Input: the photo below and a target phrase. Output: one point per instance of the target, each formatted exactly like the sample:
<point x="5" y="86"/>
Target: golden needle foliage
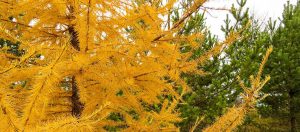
<point x="86" y="60"/>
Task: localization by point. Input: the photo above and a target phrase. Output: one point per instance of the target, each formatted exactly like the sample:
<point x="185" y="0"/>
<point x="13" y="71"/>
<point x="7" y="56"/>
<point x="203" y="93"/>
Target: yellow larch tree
<point x="85" y="60"/>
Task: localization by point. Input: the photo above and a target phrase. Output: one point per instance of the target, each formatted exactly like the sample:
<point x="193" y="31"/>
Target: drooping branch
<point x="212" y="8"/>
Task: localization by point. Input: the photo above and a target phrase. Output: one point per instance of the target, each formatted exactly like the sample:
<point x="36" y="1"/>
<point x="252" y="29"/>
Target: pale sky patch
<point x="261" y="9"/>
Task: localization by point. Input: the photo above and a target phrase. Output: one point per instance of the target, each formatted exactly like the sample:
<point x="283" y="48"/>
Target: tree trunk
<point x="74" y="38"/>
<point x="292" y="112"/>
<point x="77" y="105"/>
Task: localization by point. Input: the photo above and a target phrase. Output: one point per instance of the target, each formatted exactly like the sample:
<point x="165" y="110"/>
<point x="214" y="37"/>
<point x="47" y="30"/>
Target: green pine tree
<point x="284" y="67"/>
<point x="219" y="89"/>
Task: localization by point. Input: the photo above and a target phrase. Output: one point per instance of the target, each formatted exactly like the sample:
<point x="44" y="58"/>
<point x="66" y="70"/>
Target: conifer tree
<point x="213" y="93"/>
<point x="284" y="67"/>
<point x="100" y="65"/>
<point x="87" y="62"/>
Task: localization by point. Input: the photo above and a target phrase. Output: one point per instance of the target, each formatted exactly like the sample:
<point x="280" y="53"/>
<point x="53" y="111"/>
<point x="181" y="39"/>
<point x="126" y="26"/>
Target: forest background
<point x="280" y="110"/>
<point x="213" y="93"/>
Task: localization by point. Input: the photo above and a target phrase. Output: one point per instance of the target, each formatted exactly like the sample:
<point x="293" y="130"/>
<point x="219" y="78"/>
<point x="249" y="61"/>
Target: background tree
<point x="284" y="88"/>
<point x="279" y="111"/>
<point x="220" y="89"/>
<point x="99" y="65"/>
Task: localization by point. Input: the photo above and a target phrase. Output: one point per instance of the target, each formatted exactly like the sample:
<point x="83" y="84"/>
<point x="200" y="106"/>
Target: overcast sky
<point x="263" y="9"/>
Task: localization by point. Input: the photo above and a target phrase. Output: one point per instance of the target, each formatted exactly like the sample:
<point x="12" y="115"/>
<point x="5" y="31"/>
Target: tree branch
<point x="186" y="15"/>
<point x="24" y="25"/>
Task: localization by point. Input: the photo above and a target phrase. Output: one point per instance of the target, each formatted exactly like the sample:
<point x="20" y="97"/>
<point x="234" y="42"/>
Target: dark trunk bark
<point x="292" y="112"/>
<point x="77" y="105"/>
<point x="74" y="38"/>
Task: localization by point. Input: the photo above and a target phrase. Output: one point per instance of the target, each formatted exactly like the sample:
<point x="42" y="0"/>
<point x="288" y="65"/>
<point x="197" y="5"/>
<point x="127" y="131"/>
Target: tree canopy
<point x="107" y="65"/>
